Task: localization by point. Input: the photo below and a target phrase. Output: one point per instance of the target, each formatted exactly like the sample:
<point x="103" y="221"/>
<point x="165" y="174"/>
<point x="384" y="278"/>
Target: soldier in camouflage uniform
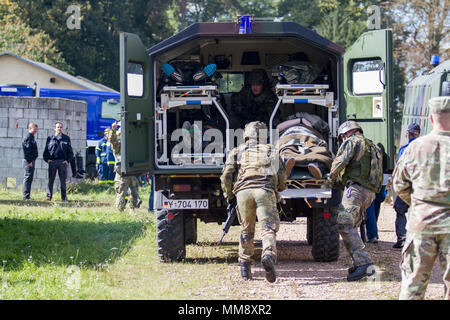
<point x="356" y="166"/>
<point x="255" y="102"/>
<point x="254" y="173"/>
<point x="122" y="183"/>
<point x="422" y="179"/>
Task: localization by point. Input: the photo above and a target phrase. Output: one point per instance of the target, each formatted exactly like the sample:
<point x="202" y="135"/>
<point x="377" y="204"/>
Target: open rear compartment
<point x="193" y="117"/>
<point x="194" y="127"/>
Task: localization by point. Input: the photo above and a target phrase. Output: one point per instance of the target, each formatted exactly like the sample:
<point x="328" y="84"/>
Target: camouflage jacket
<point x="254" y="108"/>
<point x="250" y="166"/>
<point x="422" y="179"/>
<point x="115" y="144"/>
<point x="360" y="161"/>
<point x="351" y="150"/>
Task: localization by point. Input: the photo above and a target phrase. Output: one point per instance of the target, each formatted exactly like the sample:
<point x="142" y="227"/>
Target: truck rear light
<point x="326" y="215"/>
<point x="181" y="187"/>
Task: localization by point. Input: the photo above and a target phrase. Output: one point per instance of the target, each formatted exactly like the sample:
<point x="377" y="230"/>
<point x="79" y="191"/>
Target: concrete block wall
<point x="15" y="115"/>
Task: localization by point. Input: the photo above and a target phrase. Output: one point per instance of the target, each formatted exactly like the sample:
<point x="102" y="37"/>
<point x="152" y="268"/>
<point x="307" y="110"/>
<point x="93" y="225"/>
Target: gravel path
<point x="299" y="277"/>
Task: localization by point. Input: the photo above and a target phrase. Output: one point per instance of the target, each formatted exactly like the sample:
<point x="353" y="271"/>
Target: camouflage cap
<point x="439" y="104"/>
<point x="253" y="130"/>
<point x="347" y="126"/>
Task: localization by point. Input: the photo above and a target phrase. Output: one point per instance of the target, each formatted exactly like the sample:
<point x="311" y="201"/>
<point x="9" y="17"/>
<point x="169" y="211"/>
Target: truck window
<point x="368" y="77"/>
<point x="110" y="109"/>
<point x="135" y="80"/>
<point x="231" y="82"/>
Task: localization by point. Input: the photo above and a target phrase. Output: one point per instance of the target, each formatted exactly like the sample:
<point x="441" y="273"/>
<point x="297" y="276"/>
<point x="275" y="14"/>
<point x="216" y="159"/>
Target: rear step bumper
<point x="305" y="193"/>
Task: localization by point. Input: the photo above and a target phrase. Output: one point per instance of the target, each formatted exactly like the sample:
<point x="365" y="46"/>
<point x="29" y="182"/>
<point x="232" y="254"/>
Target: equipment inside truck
<point x="186" y="109"/>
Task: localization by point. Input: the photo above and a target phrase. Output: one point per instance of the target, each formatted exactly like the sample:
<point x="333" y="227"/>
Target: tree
<point x="423" y="30"/>
<point x="304" y="12"/>
<point x="93" y="50"/>
<point x="186" y="12"/>
<point x="22" y="40"/>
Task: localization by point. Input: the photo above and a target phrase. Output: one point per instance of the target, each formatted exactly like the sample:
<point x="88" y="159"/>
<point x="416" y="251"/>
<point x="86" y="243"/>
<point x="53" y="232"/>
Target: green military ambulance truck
<point x="418" y="92"/>
<point x="165" y="101"/>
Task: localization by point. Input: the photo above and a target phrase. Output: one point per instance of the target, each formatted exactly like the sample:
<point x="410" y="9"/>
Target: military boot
<point x="360" y="272"/>
<point x="268" y="262"/>
<point x="246" y="271"/>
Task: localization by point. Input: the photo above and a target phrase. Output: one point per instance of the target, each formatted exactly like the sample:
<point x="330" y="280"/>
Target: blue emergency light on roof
<point x="245" y="24"/>
<point x="435" y="60"/>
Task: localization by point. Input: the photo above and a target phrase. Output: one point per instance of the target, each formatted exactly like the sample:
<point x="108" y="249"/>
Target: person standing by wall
<point x="30" y="154"/>
<point x="101" y="154"/>
<point x="110" y="160"/>
<point x="58" y="153"/>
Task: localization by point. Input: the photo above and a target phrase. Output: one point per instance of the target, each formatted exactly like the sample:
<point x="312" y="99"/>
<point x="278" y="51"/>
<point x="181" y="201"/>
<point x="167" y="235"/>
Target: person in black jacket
<point x="30" y="154"/>
<point x="58" y="153"/>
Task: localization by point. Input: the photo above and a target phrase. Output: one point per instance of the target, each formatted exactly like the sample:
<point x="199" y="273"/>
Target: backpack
<point x="375" y="176"/>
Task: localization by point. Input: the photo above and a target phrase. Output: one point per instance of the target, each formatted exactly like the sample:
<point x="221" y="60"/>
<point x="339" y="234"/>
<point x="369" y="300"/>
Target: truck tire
<point x="190" y="229"/>
<point x="309" y="230"/>
<point x="325" y="237"/>
<point x="170" y="235"/>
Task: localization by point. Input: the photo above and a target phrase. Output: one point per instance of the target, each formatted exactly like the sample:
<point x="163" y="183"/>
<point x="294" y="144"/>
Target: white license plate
<point x="186" y="204"/>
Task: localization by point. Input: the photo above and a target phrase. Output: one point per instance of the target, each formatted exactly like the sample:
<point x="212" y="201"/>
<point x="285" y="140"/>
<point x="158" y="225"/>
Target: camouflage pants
<point x="418" y="256"/>
<point x="121" y="186"/>
<point x="355" y="200"/>
<point x="252" y="203"/>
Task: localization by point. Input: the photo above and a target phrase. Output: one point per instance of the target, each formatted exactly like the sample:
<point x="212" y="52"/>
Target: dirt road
<point x="299" y="277"/>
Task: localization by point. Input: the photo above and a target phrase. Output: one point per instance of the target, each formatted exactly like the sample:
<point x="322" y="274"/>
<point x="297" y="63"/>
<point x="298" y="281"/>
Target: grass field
<point x="86" y="249"/>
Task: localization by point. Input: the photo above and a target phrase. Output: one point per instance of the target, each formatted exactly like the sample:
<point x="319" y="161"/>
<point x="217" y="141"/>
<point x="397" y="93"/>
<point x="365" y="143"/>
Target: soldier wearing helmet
<point x="255" y="102"/>
<point x="252" y="176"/>
<point x="357" y="166"/>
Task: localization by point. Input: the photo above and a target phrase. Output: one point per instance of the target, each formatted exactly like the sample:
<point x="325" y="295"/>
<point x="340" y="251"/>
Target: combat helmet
<point x="255" y="130"/>
<point x="347" y="126"/>
<point x="258" y="76"/>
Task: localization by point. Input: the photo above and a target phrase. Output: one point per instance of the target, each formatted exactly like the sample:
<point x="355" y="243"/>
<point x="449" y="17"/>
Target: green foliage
<point x="304" y="12"/>
<point x="19" y="38"/>
<point x="43" y="243"/>
<point x="93" y="50"/>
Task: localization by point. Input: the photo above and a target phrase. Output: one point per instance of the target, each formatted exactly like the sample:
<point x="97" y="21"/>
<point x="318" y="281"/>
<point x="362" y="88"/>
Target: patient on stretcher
<point x="302" y="144"/>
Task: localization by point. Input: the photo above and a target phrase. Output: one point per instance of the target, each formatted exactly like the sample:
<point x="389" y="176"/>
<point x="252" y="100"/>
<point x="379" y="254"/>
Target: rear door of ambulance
<point x="369" y="89"/>
<point x="137" y="110"/>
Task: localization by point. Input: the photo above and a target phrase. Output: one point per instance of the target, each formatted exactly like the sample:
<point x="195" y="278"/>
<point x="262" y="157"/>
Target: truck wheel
<point x="190" y="229"/>
<point x="170" y="235"/>
<point x="309" y="230"/>
<point x="325" y="235"/>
